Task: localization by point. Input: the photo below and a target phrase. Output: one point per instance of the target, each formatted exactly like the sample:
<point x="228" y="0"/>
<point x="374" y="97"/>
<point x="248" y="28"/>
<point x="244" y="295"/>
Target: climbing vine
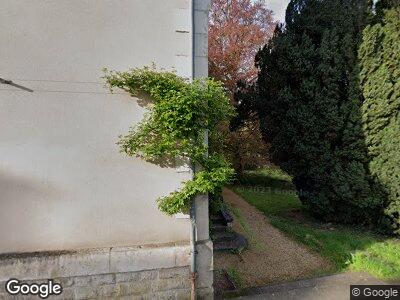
<point x="180" y="113"/>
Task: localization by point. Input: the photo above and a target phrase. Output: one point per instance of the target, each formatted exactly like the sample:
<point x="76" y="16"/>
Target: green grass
<point x="270" y="202"/>
<point x="381" y="259"/>
<point x="272" y="177"/>
<point x="346" y="248"/>
<point x="235" y="276"/>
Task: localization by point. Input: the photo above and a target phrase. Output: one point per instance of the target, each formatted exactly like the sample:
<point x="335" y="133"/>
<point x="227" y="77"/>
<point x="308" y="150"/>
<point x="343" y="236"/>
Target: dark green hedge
<point x="380" y="79"/>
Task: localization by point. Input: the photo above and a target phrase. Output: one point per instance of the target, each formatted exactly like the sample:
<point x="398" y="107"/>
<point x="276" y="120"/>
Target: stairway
<point x="223" y="236"/>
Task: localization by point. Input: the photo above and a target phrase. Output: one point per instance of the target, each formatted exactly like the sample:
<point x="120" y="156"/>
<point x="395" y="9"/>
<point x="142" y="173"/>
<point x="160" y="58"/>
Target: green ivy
<point x="174" y="127"/>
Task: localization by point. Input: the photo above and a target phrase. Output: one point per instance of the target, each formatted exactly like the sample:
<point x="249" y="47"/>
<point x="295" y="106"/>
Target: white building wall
<point x="63" y="183"/>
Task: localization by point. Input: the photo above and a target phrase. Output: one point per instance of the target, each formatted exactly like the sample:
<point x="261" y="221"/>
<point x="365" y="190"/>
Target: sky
<point x="279" y="8"/>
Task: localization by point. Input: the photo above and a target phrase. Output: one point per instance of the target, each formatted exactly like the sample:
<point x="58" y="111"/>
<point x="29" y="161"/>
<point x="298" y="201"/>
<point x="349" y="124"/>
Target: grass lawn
<point x="270" y="191"/>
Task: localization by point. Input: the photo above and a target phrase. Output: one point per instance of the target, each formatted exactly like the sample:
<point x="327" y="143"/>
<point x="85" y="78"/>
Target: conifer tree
<point x="380" y="80"/>
<point x="310" y="101"/>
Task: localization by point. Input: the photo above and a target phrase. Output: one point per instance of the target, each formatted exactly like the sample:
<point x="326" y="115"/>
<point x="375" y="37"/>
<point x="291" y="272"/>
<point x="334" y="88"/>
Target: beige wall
<point x="63" y="182"/>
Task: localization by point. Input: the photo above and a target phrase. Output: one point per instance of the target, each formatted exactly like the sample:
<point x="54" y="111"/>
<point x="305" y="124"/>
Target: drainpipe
<point x="193" y="252"/>
<point x="193" y="229"/>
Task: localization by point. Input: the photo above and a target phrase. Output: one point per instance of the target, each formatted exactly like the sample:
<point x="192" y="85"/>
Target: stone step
<point x="222" y="217"/>
<point x="222" y="234"/>
<point x="218" y="227"/>
<point x="236" y="242"/>
<point x="217" y="220"/>
<point x="226" y="215"/>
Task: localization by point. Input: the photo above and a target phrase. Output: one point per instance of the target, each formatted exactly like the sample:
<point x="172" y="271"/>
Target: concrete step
<point x="218" y="221"/>
<point x="223" y="234"/>
<point x="218" y="227"/>
<point x="226" y="215"/>
<point x="222" y="217"/>
<point x="233" y="242"/>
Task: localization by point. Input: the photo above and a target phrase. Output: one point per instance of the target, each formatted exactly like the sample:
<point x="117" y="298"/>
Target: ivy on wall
<point x="180" y="113"/>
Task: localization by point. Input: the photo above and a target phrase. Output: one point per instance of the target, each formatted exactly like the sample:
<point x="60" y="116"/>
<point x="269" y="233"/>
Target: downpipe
<point x="193" y="251"/>
<point x="193" y="227"/>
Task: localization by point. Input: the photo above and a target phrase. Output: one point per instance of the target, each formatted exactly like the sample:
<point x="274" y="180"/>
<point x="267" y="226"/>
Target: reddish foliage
<point x="238" y="29"/>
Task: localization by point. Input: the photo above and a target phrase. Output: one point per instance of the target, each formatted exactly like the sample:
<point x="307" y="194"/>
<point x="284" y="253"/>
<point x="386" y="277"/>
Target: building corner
<point x="204" y="246"/>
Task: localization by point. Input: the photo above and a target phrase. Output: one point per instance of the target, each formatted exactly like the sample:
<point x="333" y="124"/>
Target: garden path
<point x="271" y="257"/>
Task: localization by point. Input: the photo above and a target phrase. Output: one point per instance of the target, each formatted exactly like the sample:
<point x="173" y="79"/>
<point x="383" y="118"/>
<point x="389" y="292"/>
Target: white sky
<point x="279" y="8"/>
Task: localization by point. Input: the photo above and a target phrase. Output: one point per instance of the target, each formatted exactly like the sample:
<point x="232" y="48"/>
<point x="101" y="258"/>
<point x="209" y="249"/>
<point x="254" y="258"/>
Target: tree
<point x="238" y="29"/>
<point x="379" y="57"/>
<point x="309" y="106"/>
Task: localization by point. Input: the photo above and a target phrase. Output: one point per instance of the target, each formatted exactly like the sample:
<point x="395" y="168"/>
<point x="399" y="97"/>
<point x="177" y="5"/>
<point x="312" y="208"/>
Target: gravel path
<point x="272" y="257"/>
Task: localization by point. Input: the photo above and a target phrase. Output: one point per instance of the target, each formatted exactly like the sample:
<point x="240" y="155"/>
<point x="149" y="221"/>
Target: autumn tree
<point x="238" y="29"/>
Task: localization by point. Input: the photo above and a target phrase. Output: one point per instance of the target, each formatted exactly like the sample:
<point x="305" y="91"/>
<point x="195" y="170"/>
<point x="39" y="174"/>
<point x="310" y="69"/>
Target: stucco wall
<point x="63" y="182"/>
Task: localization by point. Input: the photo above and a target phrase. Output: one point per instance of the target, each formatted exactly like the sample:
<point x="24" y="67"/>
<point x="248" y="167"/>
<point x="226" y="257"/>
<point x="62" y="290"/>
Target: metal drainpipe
<point x="193" y="229"/>
<point x="193" y="251"/>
